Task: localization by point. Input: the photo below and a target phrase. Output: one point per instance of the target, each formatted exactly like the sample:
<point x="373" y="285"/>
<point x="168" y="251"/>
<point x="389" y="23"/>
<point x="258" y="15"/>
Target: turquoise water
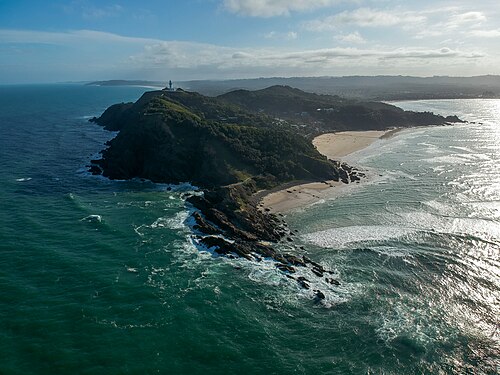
<point x="100" y="277"/>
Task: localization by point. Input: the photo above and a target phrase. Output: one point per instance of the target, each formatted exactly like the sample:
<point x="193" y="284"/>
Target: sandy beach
<point x="335" y="146"/>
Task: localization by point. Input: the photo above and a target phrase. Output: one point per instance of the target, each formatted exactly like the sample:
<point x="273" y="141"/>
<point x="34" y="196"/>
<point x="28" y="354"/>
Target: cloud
<point x="486" y="33"/>
<point x="88" y="54"/>
<point x="352" y="38"/>
<point x="188" y="55"/>
<point x="109" y="11"/>
<point x="430" y="54"/>
<point x="365" y="17"/>
<point x="272" y="8"/>
<point x="451" y="22"/>
<point x="91" y="12"/>
<point x="69" y="37"/>
<point x="291" y="35"/>
<point x="425" y="23"/>
<point x="466" y="18"/>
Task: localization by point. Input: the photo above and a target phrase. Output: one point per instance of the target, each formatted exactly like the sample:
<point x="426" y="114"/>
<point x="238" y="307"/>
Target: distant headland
<point x="235" y="146"/>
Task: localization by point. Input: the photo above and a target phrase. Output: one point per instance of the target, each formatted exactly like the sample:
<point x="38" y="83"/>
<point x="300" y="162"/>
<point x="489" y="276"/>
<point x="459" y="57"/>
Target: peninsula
<point x="234" y="146"/>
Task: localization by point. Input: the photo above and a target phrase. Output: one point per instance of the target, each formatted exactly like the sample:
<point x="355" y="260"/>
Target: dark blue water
<point x="101" y="277"/>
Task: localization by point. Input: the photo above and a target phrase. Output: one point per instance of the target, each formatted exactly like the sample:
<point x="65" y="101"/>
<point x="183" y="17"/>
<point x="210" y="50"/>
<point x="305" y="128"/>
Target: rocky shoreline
<point x="232" y="153"/>
<point x="226" y="227"/>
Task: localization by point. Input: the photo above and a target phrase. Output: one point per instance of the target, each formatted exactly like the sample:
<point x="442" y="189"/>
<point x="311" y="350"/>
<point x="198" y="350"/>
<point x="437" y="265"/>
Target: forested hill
<point x="186" y="137"/>
<point x="317" y="113"/>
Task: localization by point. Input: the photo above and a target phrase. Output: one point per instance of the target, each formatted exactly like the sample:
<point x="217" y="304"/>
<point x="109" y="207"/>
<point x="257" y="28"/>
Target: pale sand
<point x="335" y="146"/>
<point x="302" y="195"/>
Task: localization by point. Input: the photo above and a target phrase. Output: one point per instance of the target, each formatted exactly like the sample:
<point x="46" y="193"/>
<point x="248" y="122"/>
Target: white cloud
<point x="353" y="38"/>
<point x="102" y="55"/>
<point x="70" y="37"/>
<point x="187" y="55"/>
<point x="486" y="33"/>
<point x="466" y="18"/>
<point x="365" y="17"/>
<point x="272" y="8"/>
<point x="444" y="52"/>
<point x="89" y="11"/>
<point x="109" y="11"/>
<point x="291" y="35"/>
<point x="450" y="24"/>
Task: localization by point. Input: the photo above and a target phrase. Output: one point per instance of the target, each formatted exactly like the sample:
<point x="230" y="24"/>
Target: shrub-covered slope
<point x="186" y="137"/>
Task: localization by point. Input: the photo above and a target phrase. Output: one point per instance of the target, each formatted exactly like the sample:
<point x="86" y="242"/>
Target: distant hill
<point x="312" y="114"/>
<point x="366" y="87"/>
<point x="358" y="87"/>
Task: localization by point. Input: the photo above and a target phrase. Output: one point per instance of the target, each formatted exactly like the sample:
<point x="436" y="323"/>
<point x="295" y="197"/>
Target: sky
<point x="84" y="40"/>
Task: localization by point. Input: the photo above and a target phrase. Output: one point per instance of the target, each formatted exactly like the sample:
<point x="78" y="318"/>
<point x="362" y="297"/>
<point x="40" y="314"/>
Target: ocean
<point x="101" y="277"/>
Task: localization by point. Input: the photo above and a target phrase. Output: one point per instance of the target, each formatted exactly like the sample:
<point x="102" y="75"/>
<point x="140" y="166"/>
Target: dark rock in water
<point x="332" y="281"/>
<point x="292" y="259"/>
<point x="95" y="170"/>
<point x="452" y="119"/>
<point x="285" y="268"/>
<point x="203" y="226"/>
<point x="318" y="295"/>
<point x="317" y="272"/>
<point x="303" y="282"/>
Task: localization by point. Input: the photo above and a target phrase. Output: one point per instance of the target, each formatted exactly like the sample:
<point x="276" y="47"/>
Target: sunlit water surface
<point x="100" y="276"/>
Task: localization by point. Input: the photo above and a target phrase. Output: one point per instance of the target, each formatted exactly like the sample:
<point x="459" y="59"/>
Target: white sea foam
<point x="92" y="219"/>
<point x="448" y="159"/>
<point x="175" y="222"/>
<point x="430" y="148"/>
<point x="439" y="207"/>
<point x="344" y="236"/>
<point x="24" y="179"/>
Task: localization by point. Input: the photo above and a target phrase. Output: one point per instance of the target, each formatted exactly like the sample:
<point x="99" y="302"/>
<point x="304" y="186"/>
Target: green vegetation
<point x="180" y="136"/>
<point x="313" y="114"/>
<point x="186" y="137"/>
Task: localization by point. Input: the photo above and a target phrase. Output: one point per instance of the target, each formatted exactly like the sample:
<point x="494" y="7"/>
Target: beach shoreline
<point x="335" y="146"/>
